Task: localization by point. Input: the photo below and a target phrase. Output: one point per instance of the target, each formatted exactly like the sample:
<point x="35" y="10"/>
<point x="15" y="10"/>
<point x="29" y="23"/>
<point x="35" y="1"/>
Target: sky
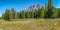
<point x="20" y="5"/>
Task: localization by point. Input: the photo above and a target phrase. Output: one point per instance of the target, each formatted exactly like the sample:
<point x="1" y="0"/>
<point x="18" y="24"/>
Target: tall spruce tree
<point x="13" y="12"/>
<point x="49" y="12"/>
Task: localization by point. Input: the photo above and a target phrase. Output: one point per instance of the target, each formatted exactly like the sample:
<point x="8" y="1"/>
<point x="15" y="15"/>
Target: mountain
<point x="33" y="7"/>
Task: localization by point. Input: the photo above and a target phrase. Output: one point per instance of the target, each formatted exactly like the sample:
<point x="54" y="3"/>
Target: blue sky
<point x="19" y="5"/>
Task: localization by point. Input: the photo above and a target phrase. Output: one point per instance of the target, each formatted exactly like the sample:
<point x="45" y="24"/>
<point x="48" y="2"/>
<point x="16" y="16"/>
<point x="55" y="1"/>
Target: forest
<point x="47" y="12"/>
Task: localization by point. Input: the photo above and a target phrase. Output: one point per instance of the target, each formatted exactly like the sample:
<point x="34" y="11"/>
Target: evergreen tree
<point x="42" y="12"/>
<point x="3" y="15"/>
<point x="55" y="13"/>
<point x="49" y="12"/>
<point x="13" y="12"/>
<point x="7" y="15"/>
<point x="58" y="12"/>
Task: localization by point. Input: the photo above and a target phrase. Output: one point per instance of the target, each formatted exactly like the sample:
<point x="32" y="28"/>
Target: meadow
<point x="30" y="24"/>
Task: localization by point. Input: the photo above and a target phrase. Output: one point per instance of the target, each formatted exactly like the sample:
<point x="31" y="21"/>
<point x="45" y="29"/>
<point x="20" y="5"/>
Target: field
<point x="30" y="24"/>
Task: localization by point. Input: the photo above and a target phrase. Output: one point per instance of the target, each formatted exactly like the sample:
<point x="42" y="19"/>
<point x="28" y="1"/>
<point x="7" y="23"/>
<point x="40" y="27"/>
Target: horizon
<point x="20" y="5"/>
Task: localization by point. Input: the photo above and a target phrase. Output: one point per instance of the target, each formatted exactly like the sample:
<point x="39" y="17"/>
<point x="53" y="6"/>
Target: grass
<point x="30" y="24"/>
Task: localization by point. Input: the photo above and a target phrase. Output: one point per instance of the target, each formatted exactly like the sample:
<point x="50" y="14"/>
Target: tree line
<point x="48" y="12"/>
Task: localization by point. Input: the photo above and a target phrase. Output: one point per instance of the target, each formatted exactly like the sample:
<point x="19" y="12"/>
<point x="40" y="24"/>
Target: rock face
<point x="33" y="7"/>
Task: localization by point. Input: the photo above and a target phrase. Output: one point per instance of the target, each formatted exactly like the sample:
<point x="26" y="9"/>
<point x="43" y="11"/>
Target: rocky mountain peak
<point x="33" y="7"/>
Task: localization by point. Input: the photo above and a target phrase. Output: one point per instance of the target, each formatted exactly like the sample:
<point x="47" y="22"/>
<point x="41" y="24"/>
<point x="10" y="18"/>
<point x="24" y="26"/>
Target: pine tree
<point x="13" y="12"/>
<point x="49" y="12"/>
<point x="7" y="15"/>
